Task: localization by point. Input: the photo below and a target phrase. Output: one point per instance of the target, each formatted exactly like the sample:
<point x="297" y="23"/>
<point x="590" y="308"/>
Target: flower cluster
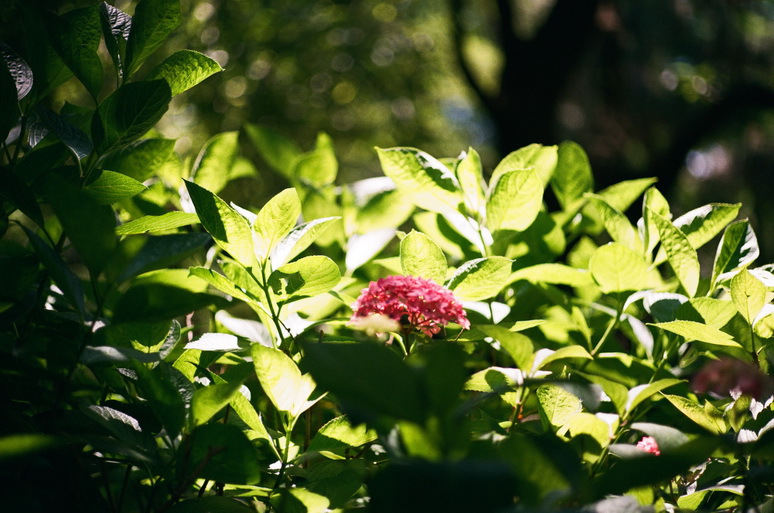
<point x="648" y="444"/>
<point x="412" y="301"/>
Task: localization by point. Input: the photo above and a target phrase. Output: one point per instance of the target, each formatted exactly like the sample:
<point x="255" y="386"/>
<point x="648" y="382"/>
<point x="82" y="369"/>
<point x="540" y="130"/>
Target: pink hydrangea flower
<point x="648" y="444"/>
<point x="413" y="301"/>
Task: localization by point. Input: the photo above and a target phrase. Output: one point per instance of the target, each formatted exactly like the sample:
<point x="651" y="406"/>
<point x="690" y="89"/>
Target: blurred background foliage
<point x="678" y="89"/>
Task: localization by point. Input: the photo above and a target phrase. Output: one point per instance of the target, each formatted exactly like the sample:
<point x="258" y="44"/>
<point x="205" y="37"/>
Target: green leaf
<point x="622" y="194"/>
<point x="519" y="347"/>
<point x="572" y="177"/>
<point x="681" y="255"/>
<point x="338" y="437"/>
<point x="221" y="283"/>
<point x="358" y="375"/>
<point x="308" y="276"/>
<point x="563" y="353"/>
<point x="128" y="114"/>
<point x="287" y="389"/>
<point x="276" y="219"/>
<point x="142" y="159"/>
<point x="122" y="426"/>
<point x="692" y="330"/>
<point x="230" y="230"/>
<point x="701" y="224"/>
<point x="116" y="26"/>
<point x="541" y="159"/>
<point x="9" y="105"/>
<point x="514" y="201"/>
<point x="617" y="268"/>
<point x="653" y="203"/>
<point x="319" y="167"/>
<point x="163" y="251"/>
<point x="422" y="178"/>
<point x="480" y="279"/>
<point x="668" y="438"/>
<point x="168" y="393"/>
<point x="62" y="275"/>
<point x="76" y="36"/>
<point x="184" y="69"/>
<point x="617" y="224"/>
<point x="163" y="294"/>
<point x="152" y="22"/>
<point x="420" y="256"/>
<point x="707" y="417"/>
<point x="557" y="406"/>
<point x="111" y="187"/>
<point x="221" y="453"/>
<point x="209" y="504"/>
<point x="556" y="274"/>
<point x="738" y="248"/>
<point x="301" y="500"/>
<point x="153" y="224"/>
<point x="19" y="69"/>
<point x="300" y="238"/>
<point x="278" y="151"/>
<point x="75" y="140"/>
<point x="640" y="393"/>
<point x="209" y="400"/>
<point x="25" y="444"/>
<point x="89" y="225"/>
<point x="748" y="294"/>
<point x="217" y="157"/>
<point x="471" y="178"/>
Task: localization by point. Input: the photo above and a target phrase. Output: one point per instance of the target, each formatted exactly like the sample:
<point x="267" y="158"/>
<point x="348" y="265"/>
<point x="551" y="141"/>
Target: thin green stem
<point x="610" y="327"/>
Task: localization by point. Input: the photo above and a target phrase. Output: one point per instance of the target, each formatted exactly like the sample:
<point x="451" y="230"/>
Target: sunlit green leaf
<point x="617" y="268"/>
<point x="212" y="166"/>
<point x="162" y="223"/>
<point x="617" y="224"/>
<point x="541" y="159"/>
<point x="748" y="294"/>
<point x="319" y="167"/>
<point x="287" y="388"/>
<point x="184" y="69"/>
<point x="515" y="200"/>
<point x="681" y="255"/>
<point x="738" y="248"/>
<point x="230" y="230"/>
<point x="692" y="330"/>
<point x="276" y="219"/>
<point x="111" y="187"/>
<point x="420" y="256"/>
<point x="557" y="274"/>
<point x="572" y="177"/>
<point x="701" y="224"/>
<point x="308" y="276"/>
<point x="481" y="278"/>
<point x="709" y="418"/>
<point x="470" y="176"/>
<point x="300" y="238"/>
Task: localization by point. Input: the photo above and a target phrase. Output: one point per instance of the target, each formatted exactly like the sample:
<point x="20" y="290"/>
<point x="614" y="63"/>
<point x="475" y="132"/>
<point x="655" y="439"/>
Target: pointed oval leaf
<point x="153" y="224"/>
<point x="653" y="203"/>
<point x="111" y="187"/>
<point x="76" y="36"/>
<point x="215" y="160"/>
<point x="319" y="167"/>
<point x="709" y="418"/>
<point x="557" y="274"/>
<point x="229" y="229"/>
<point x="541" y="159"/>
<point x="617" y="268"/>
<point x="282" y="381"/>
<point x="142" y="159"/>
<point x="276" y="219"/>
<point x="701" y="224"/>
<point x="748" y="294"/>
<point x="75" y="140"/>
<point x="116" y="26"/>
<point x="692" y="330"/>
<point x="481" y="278"/>
<point x="515" y="201"/>
<point x="152" y="22"/>
<point x="738" y="248"/>
<point x="471" y="178"/>
<point x="277" y="150"/>
<point x="308" y="276"/>
<point x="680" y="254"/>
<point x="420" y="256"/>
<point x="300" y="238"/>
<point x="640" y="393"/>
<point x="19" y="69"/>
<point x="128" y="113"/>
<point x="184" y="69"/>
<point x="617" y="224"/>
<point x="428" y="182"/>
<point x="572" y="177"/>
<point x="89" y="225"/>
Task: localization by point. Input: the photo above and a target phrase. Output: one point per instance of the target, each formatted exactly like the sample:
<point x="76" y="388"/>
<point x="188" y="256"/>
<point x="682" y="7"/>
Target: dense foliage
<point x="428" y="340"/>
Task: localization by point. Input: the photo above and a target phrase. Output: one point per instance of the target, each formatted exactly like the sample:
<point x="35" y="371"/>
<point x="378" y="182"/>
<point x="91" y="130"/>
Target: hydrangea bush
<point x="441" y="338"/>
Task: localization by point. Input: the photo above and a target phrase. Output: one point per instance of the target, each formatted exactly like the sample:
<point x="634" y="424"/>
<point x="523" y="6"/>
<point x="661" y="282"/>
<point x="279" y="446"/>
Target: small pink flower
<point x="648" y="444"/>
<point x="413" y="301"/>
